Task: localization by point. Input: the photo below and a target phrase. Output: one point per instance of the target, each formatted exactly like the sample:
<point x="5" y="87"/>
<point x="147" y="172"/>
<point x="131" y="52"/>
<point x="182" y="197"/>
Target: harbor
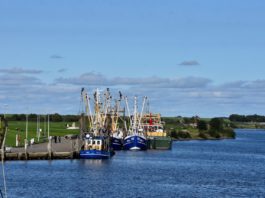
<point x="104" y="128"/>
<point x="189" y="169"/>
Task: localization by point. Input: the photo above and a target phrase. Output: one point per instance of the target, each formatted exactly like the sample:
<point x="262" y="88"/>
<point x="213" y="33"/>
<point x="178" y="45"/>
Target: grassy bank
<point x="19" y="127"/>
<point x="180" y="128"/>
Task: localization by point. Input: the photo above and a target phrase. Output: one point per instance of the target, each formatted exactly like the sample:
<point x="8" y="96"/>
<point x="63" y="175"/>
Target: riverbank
<point x="231" y="168"/>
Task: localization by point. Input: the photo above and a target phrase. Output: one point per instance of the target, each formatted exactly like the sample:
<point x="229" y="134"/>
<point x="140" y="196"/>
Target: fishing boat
<point x="117" y="140"/>
<point x="116" y="131"/>
<point x="97" y="143"/>
<point x="135" y="139"/>
<point x="96" y="147"/>
<point x="154" y="129"/>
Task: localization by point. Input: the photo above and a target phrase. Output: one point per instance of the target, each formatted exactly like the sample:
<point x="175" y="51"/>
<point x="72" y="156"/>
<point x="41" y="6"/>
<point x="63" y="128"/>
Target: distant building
<point x="71" y="127"/>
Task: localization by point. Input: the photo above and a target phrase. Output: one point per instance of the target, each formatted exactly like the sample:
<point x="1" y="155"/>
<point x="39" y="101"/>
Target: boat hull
<point x="116" y="143"/>
<point x="161" y="143"/>
<point x="95" y="154"/>
<point x="135" y="142"/>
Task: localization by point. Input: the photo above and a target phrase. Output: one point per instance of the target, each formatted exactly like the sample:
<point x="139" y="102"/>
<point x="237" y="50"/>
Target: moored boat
<point x="96" y="142"/>
<point x="117" y="141"/>
<point x="96" y="148"/>
<point x="135" y="140"/>
<point x="154" y="129"/>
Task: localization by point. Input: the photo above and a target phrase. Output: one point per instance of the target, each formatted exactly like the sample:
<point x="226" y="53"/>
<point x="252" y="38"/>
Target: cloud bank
<point x="189" y="63"/>
<point x="19" y="70"/>
<point x="92" y="78"/>
<point x="184" y="96"/>
<point x="56" y="56"/>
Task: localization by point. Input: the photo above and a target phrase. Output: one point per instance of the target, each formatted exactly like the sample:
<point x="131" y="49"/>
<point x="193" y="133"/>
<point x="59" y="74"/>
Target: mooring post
<point x="26" y="149"/>
<point x="77" y="145"/>
<point x="49" y="147"/>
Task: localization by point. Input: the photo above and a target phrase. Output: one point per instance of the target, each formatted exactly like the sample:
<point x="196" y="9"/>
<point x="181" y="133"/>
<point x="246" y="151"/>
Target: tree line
<point x="246" y="118"/>
<point x="53" y="117"/>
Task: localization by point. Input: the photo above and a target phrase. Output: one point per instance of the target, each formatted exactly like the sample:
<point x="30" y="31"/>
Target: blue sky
<point x="189" y="57"/>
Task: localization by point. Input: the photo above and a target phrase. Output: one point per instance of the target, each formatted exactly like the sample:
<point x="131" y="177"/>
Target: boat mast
<point x="128" y="109"/>
<point x="117" y="113"/>
<point x="97" y="111"/>
<point x="107" y="104"/>
<point x="135" y="114"/>
<point x="141" y="115"/>
<point x="88" y="110"/>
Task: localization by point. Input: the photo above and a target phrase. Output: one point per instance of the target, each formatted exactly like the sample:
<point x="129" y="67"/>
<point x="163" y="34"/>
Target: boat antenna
<point x="141" y="115"/>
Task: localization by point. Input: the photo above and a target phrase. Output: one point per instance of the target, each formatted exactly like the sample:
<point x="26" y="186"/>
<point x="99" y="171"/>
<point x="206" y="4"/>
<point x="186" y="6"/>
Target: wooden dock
<point x="41" y="156"/>
<point x="66" y="149"/>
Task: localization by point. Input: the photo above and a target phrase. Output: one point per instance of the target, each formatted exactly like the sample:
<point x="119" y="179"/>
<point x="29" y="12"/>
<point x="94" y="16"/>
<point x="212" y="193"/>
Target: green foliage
<point x="53" y="117"/>
<point x="216" y="124"/>
<point x="174" y="134"/>
<point x="184" y="134"/>
<point x="246" y="118"/>
<point x="229" y="133"/>
<point x="56" y="117"/>
<point x="202" y="125"/>
<point x="233" y="125"/>
<point x="214" y="133"/>
<point x="203" y="135"/>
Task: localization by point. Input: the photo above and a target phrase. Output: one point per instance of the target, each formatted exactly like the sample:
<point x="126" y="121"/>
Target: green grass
<point x="56" y="129"/>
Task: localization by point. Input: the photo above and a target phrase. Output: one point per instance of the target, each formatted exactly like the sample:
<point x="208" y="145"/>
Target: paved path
<point x="66" y="145"/>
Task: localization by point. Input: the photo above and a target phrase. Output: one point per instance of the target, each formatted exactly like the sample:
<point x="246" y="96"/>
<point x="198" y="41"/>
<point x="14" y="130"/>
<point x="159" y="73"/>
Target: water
<point x="226" y="168"/>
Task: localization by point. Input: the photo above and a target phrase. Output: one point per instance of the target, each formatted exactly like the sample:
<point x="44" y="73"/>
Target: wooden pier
<point x="41" y="156"/>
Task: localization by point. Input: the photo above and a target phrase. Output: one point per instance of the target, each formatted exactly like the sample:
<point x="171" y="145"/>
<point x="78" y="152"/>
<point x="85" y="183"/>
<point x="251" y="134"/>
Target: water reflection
<point x="224" y="168"/>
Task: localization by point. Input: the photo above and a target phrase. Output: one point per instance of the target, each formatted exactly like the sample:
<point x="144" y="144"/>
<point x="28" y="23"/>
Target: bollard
<point x="49" y="147"/>
<point x="26" y="149"/>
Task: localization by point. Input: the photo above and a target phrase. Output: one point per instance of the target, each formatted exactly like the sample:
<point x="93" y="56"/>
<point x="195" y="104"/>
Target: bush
<point x="184" y="134"/>
<point x="216" y="124"/>
<point x="174" y="134"/>
<point x="202" y="125"/>
<point x="233" y="125"/>
<point x="229" y="133"/>
<point x="214" y="133"/>
<point x="203" y="135"/>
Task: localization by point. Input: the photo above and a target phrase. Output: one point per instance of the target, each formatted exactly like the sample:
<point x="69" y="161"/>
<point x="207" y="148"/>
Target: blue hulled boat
<point x="117" y="140"/>
<point x="96" y="148"/>
<point x="135" y="142"/>
<point x="116" y="143"/>
<point x="135" y="139"/>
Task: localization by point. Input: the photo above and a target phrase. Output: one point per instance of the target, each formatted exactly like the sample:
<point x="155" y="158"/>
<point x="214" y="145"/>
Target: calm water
<point x="227" y="168"/>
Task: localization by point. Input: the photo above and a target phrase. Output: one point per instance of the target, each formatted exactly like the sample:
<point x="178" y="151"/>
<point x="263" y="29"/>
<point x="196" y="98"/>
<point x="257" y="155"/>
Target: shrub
<point x="202" y="125"/>
<point x="214" y="133"/>
<point x="229" y="133"/>
<point x="184" y="134"/>
<point x="203" y="135"/>
<point x="174" y="134"/>
<point x="216" y="124"/>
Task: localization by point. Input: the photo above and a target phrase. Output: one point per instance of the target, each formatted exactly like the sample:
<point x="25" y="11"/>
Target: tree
<point x="174" y="133"/>
<point x="217" y="124"/>
<point x="202" y="125"/>
<point x="56" y="117"/>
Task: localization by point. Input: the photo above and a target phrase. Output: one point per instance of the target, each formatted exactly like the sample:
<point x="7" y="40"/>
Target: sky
<point x="189" y="57"/>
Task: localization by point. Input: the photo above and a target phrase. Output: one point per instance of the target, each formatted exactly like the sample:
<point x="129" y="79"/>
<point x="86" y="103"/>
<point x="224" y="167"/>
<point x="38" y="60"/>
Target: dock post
<point x="49" y="147"/>
<point x="26" y="149"/>
<point x="77" y="147"/>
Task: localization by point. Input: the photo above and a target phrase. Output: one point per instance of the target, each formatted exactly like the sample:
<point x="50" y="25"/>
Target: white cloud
<point x="20" y="70"/>
<point x="99" y="79"/>
<point x="179" y="96"/>
<point x="189" y="63"/>
<point x="56" y="56"/>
